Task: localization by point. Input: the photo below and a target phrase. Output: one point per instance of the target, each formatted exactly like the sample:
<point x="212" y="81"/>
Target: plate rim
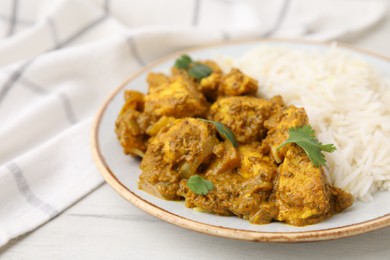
<point x="221" y="231"/>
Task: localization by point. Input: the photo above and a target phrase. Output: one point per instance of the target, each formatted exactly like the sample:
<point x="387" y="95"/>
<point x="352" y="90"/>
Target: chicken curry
<point x="170" y="129"/>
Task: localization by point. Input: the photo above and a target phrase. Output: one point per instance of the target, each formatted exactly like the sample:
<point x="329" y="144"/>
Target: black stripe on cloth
<point x="18" y="73"/>
<point x="33" y="86"/>
<point x="68" y="108"/>
<point x="106" y="6"/>
<point x="20" y="21"/>
<point x="195" y="17"/>
<point x="279" y="20"/>
<point x="83" y="31"/>
<point x="12" y="21"/>
<point x="134" y="50"/>
<point x="26" y="192"/>
<point x="62" y="96"/>
<point x="54" y="33"/>
<point x="14" y="78"/>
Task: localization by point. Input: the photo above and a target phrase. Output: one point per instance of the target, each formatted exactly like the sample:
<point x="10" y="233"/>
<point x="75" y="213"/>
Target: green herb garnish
<point x="195" y="69"/>
<point x="305" y="137"/>
<point x="199" y="71"/>
<point x="183" y="62"/>
<point x="224" y="131"/>
<point x="199" y="185"/>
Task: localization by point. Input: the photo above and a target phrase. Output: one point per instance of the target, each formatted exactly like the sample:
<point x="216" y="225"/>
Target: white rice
<point x="348" y="104"/>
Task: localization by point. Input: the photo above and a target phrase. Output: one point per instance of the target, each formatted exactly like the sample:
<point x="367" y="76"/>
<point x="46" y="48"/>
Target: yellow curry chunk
<point x="156" y="79"/>
<point x="302" y="193"/>
<point x="255" y="161"/>
<point x="236" y="83"/>
<point x="255" y="180"/>
<point x="130" y="124"/>
<point x="178" y="98"/>
<point x="278" y="125"/>
<point x="176" y="153"/>
<point x="244" y="115"/>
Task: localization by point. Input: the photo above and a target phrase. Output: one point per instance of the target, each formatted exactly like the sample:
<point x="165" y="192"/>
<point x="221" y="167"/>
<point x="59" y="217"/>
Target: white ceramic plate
<point x="122" y="172"/>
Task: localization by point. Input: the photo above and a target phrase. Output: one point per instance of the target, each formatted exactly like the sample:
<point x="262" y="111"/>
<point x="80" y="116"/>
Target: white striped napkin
<point x="60" y="58"/>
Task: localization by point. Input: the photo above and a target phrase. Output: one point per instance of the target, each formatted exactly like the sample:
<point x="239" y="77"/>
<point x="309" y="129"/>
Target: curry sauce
<point x="254" y="181"/>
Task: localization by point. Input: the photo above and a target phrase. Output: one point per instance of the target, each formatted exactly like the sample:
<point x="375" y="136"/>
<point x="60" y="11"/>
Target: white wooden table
<point x="104" y="226"/>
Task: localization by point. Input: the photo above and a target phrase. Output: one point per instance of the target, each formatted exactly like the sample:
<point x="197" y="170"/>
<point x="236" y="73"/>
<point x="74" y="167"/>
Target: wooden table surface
<point x="104" y="226"/>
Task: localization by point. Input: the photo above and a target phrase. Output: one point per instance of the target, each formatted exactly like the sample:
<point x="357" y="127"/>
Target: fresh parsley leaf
<point x="328" y="148"/>
<point x="196" y="70"/>
<point x="224" y="131"/>
<point x="183" y="62"/>
<point x="199" y="71"/>
<point x="305" y="137"/>
<point x="199" y="185"/>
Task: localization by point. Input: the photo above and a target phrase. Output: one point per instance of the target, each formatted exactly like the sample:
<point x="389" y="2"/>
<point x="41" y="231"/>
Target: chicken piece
<point x="130" y="125"/>
<point x="178" y="72"/>
<point x="179" y="98"/>
<point x="340" y="200"/>
<point x="278" y="125"/>
<point x="156" y="79"/>
<point x="236" y="83"/>
<point x="252" y="202"/>
<point x="162" y="123"/>
<point x="226" y="158"/>
<point x="244" y="115"/>
<point x="255" y="161"/>
<point x="219" y="200"/>
<point x="209" y="86"/>
<point x="290" y="116"/>
<point x="242" y="184"/>
<point x="221" y="171"/>
<point x="176" y="153"/>
<point x="302" y="192"/>
<point x="258" y="171"/>
<point x="277" y="104"/>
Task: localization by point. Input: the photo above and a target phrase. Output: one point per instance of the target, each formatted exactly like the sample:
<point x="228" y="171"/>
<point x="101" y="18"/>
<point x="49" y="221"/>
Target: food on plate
<point x="205" y="137"/>
<point x="347" y="103"/>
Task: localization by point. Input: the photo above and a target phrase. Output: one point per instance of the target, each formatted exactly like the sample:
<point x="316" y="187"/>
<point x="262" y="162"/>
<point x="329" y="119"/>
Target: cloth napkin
<point x="60" y="58"/>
